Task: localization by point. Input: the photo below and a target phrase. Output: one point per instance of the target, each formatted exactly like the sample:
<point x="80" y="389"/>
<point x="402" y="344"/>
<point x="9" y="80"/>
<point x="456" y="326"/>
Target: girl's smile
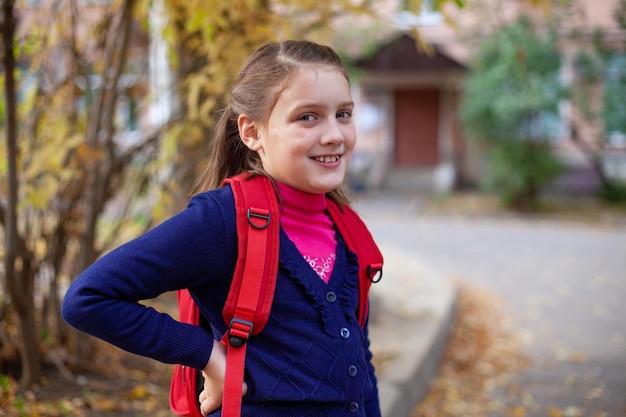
<point x="327" y="159"/>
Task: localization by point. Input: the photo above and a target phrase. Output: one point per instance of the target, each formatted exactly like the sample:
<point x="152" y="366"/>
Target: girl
<point x="289" y="117"/>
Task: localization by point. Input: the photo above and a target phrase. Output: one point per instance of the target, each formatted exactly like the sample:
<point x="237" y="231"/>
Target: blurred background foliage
<point x="512" y="93"/>
<point x="517" y="91"/>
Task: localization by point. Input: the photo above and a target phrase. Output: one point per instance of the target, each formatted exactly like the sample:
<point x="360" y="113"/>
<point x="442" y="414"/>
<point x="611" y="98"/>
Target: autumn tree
<point x="18" y="258"/>
<point x="67" y="163"/>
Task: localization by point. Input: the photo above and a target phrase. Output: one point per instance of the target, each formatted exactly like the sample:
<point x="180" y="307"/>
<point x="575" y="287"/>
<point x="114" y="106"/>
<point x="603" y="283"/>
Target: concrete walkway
<point x="412" y="309"/>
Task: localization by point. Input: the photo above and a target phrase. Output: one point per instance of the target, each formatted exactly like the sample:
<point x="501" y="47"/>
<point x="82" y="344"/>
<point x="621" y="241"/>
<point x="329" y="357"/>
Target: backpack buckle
<point x="239" y="332"/>
<point x="254" y="215"/>
<point x="375" y="272"/>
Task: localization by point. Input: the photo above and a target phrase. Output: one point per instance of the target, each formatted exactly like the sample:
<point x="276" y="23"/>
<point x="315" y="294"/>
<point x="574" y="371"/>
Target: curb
<point x="411" y="310"/>
<point x="406" y="383"/>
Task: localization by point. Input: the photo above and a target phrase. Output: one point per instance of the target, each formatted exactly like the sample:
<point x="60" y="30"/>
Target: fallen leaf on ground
<point x="483" y="354"/>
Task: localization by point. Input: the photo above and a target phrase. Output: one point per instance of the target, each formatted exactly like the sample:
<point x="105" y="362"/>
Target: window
<point x="409" y="16"/>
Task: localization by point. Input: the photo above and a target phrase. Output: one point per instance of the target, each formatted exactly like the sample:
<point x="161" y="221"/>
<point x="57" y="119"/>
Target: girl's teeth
<point x="327" y="158"/>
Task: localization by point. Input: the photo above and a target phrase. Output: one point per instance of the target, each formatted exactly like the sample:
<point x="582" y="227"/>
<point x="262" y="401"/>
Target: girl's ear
<point x="248" y="132"/>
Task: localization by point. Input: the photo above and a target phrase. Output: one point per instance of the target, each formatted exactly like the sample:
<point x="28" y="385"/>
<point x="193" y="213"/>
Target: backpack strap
<point x="183" y="396"/>
<point x="251" y="293"/>
<point x="359" y="240"/>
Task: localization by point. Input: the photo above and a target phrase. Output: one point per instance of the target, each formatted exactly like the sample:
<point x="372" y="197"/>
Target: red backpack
<point x="250" y="299"/>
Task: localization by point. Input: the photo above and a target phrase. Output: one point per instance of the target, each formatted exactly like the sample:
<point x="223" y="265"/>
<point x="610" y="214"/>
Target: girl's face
<point x="309" y="136"/>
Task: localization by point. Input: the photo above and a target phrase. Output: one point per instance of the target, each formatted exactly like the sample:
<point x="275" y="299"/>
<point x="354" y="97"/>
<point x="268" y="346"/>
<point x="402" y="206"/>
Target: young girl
<point x="289" y="117"/>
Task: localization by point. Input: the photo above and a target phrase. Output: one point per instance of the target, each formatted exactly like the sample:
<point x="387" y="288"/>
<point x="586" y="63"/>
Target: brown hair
<point x="255" y="92"/>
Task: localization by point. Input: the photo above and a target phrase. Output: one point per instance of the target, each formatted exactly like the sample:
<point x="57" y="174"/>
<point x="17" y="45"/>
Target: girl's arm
<point x="104" y="300"/>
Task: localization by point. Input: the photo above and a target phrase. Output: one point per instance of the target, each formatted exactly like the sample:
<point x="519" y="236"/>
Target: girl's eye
<point x="307" y="117"/>
<point x="344" y="114"/>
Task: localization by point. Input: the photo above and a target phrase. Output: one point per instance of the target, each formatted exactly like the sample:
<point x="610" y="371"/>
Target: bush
<point x="511" y="103"/>
<point x="613" y="193"/>
<point x="517" y="171"/>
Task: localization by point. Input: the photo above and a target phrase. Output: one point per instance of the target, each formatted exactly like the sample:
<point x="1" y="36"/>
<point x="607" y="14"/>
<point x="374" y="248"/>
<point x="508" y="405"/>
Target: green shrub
<point x="511" y="103"/>
<point x="517" y="171"/>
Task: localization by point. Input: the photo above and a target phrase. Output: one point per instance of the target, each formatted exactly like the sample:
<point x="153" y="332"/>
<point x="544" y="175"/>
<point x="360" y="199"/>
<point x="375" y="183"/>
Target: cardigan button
<point x="345" y="333"/>
<point x="331" y="297"/>
<point x="353" y="407"/>
<point x="352" y="370"/>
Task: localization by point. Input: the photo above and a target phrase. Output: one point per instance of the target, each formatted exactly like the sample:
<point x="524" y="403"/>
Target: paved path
<point x="564" y="283"/>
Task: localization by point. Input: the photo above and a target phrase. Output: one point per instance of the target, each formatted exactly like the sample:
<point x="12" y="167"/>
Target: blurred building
<point x="408" y="128"/>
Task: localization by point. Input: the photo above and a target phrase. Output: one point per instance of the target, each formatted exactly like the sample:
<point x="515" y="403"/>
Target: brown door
<point x="416" y="128"/>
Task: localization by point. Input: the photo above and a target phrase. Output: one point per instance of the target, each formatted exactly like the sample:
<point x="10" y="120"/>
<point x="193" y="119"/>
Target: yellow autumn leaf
<point x="554" y="412"/>
<point x="517" y="411"/>
<point x="421" y="44"/>
<point x="104" y="404"/>
<point x="195" y="88"/>
<point x="41" y="247"/>
<point x="196" y="21"/>
<point x="137" y="393"/>
<point x="207" y="107"/>
<point x="39" y="194"/>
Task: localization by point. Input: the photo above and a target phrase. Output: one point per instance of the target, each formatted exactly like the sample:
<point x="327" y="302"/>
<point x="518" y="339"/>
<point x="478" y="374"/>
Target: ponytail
<point x="228" y="155"/>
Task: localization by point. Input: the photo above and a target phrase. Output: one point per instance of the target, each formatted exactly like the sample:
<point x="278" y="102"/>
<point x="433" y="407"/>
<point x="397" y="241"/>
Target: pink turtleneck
<point x="309" y="227"/>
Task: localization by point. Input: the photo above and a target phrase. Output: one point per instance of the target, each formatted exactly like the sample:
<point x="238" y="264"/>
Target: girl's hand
<point x="214" y="373"/>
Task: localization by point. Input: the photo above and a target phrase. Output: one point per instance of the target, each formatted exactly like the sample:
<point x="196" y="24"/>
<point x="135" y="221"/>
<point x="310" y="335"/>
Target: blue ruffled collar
<point x="343" y="281"/>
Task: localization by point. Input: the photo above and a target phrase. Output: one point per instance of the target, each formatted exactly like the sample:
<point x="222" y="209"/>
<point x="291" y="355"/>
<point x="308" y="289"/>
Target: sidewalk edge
<point x="407" y="383"/>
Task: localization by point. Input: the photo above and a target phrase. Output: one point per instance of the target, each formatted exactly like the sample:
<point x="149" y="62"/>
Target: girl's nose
<point x="334" y="133"/>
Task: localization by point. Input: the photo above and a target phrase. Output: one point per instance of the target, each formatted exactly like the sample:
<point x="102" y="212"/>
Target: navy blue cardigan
<point x="312" y="358"/>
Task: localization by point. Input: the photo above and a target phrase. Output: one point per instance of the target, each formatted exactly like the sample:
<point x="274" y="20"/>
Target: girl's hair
<point x="255" y="92"/>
